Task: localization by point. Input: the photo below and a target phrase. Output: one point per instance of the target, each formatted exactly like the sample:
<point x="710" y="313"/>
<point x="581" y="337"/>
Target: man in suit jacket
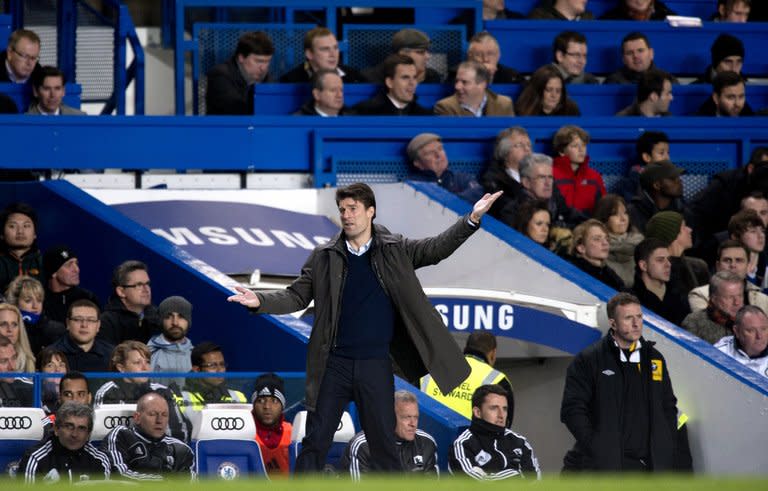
<point x="49" y="91"/>
<point x="472" y="96"/>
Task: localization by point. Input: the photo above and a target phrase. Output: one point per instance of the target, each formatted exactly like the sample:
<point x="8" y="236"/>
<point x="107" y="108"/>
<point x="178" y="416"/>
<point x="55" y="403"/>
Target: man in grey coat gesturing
<point x="369" y="306"/>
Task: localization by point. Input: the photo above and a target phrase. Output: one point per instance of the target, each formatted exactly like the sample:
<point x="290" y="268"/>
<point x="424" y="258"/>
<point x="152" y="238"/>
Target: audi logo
<point x="111" y="422"/>
<point x="223" y="424"/>
<point x="15" y="422"/>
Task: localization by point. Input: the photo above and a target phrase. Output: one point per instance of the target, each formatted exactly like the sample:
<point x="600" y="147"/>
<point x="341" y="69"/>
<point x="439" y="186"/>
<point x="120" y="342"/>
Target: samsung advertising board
<point x="235" y="238"/>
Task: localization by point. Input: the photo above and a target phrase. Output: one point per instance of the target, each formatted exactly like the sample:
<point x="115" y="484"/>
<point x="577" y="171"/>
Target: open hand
<point x="245" y="297"/>
<point x="483" y="205"/>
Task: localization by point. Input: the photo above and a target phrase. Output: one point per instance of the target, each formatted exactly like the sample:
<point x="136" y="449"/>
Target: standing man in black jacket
<point x="369" y="305"/>
<point x="66" y="454"/>
<point x="488" y="450"/>
<point x="618" y="401"/>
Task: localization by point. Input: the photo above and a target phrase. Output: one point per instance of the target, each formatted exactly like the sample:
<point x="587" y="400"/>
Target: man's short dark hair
<point x="478" y="398"/>
<point x="121" y="272"/>
<point x="318" y="77"/>
<point x="21" y="208"/>
<point x="620" y="300"/>
<point x="723" y="80"/>
<point x="742" y="221"/>
<point x="731" y="244"/>
<point x="203" y="349"/>
<point x="358" y="191"/>
<point x="392" y="61"/>
<point x="312" y="34"/>
<point x="481" y="73"/>
<point x="480" y="342"/>
<point x="645" y="248"/>
<point x="255" y="43"/>
<point x="634" y="36"/>
<point x="648" y="140"/>
<point x="651" y="82"/>
<point x="563" y="39"/>
<point x="83" y="302"/>
<point x="74" y="409"/>
<point x="72" y="375"/>
<point x="47" y="71"/>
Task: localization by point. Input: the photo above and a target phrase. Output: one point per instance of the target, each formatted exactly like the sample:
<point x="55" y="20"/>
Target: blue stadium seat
<point x="224" y="440"/>
<point x="343" y="435"/>
<point x="20" y="428"/>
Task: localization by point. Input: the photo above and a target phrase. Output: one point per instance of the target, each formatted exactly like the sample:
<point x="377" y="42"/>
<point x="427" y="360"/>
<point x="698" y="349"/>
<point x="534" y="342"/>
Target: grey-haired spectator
<point x="129" y="313"/>
<point x="230" y="84"/>
<point x="273" y="432"/>
<point x="413" y="43"/>
<point x="49" y="89"/>
<point x="62" y="286"/>
<point x="397" y="97"/>
<point x="20" y="59"/>
<point x="727" y="56"/>
<point x="749" y="343"/>
<point x="472" y="97"/>
<point x="327" y="96"/>
<point x="429" y="163"/>
<point x="67" y="455"/>
<point x="726" y="297"/>
<point x="503" y="172"/>
<point x="484" y="49"/>
<point x="172" y="349"/>
<point x="569" y="53"/>
<point x="19" y="253"/>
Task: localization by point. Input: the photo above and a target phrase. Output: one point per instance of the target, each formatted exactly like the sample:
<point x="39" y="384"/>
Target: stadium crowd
<point x="700" y="263"/>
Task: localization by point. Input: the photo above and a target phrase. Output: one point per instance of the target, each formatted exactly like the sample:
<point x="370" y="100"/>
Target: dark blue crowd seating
<point x="6" y="23"/>
<point x="526" y="45"/>
<point x="593" y="100"/>
<point x="695" y="8"/>
<point x="21" y="95"/>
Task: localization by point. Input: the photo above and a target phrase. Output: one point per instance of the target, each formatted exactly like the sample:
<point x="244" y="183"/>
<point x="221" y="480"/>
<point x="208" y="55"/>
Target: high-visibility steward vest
<point x="277" y="460"/>
<point x="196" y="401"/>
<point x="460" y="398"/>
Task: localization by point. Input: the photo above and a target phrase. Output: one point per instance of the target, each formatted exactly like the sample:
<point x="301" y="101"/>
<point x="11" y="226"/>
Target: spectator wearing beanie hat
<point x="727" y="56"/>
<point x="273" y="433"/>
<point x="687" y="272"/>
<point x="62" y="279"/>
<point x="19" y="253"/>
<point x="412" y="43"/>
<point x="171" y="350"/>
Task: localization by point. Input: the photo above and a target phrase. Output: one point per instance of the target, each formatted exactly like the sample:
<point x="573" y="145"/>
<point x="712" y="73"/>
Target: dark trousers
<point x="371" y="385"/>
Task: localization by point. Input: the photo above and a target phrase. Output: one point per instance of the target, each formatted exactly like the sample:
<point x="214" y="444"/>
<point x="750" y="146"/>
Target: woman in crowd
<point x="532" y="219"/>
<point x="51" y="360"/>
<point x="546" y="95"/>
<point x="27" y="294"/>
<point x="589" y="252"/>
<point x="12" y="327"/>
<point x="611" y="210"/>
<point x="133" y="356"/>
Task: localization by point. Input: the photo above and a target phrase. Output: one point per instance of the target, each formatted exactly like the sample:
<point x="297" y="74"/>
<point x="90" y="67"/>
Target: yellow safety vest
<point x="196" y="401"/>
<point x="460" y="398"/>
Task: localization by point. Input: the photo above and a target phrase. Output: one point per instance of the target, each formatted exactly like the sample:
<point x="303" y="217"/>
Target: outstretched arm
<point x="483" y="205"/>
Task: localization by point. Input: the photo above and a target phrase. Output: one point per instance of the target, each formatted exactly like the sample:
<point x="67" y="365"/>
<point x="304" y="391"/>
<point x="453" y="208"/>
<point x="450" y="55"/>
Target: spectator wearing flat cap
<point x="430" y="163"/>
<point x="670" y="228"/>
<point x="727" y="56"/>
<point x="62" y="286"/>
<point x="273" y="432"/>
<point x="19" y="252"/>
<point x="661" y="189"/>
<point x="171" y="350"/>
<point x="413" y="43"/>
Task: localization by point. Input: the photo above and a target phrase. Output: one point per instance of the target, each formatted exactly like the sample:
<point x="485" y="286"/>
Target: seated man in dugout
<point x="208" y="357"/>
<point x="273" y="432"/>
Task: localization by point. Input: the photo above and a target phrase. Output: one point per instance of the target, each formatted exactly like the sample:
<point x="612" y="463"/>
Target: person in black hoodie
<point x="653" y="285"/>
<point x="129" y="313"/>
<point x="589" y="251"/>
<point x="487" y="450"/>
<point x="66" y="455"/>
<point x="62" y="273"/>
<point x="619" y="404"/>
